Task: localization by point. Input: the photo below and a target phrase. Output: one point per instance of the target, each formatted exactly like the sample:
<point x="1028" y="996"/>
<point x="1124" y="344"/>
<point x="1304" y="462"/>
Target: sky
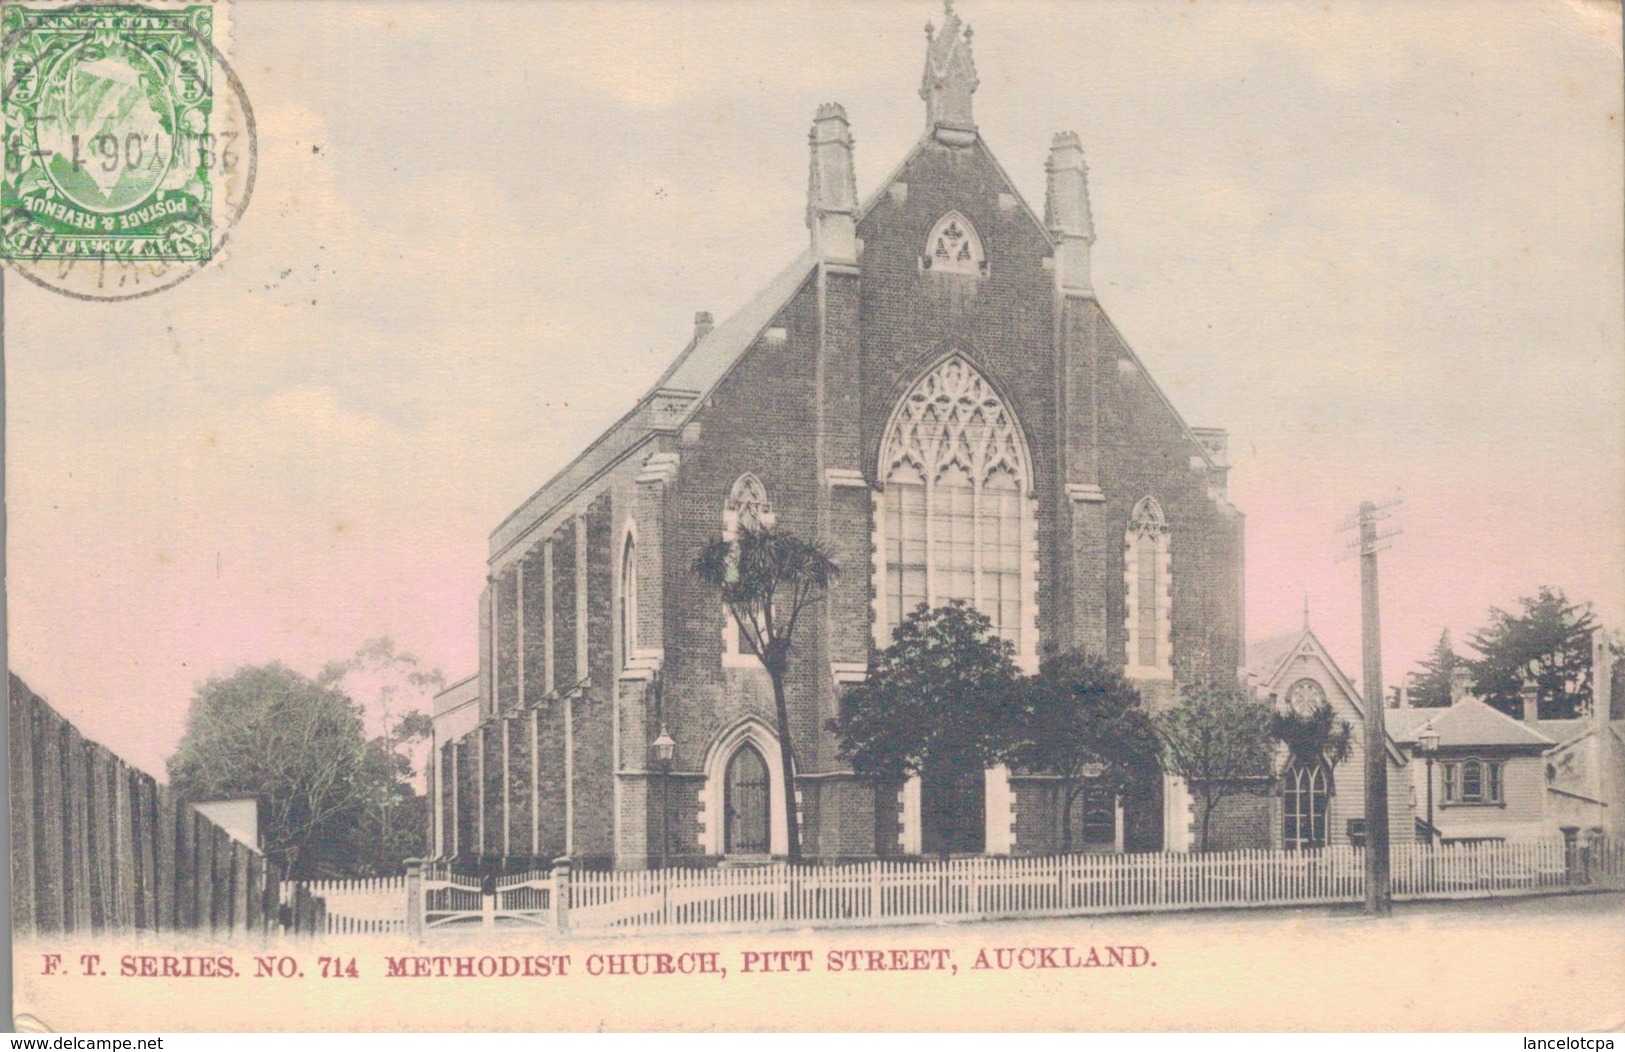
<point x="1381" y="243"/>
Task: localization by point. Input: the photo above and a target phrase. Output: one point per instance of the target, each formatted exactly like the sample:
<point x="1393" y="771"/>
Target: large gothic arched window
<point x="954" y="521"/>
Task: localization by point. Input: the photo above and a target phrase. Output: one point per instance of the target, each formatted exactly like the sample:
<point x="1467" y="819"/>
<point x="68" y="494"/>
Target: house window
<point x="1149" y="607"/>
<point x="747" y="508"/>
<point x="954" y="248"/>
<point x="1305" y="794"/>
<point x="1473" y="781"/>
<point x="954" y="513"/>
<point x="628" y="613"/>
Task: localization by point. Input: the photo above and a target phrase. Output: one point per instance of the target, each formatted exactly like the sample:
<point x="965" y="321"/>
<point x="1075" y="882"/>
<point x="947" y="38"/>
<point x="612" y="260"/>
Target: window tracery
<point x="747" y="508"/>
<point x="1305" y="795"/>
<point x="954" y="513"/>
<point x="1149" y="606"/>
<point x="954" y="247"/>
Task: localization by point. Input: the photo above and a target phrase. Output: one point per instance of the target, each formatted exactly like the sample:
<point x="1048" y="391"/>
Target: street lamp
<point x="663" y="749"/>
<point x="1427" y="743"/>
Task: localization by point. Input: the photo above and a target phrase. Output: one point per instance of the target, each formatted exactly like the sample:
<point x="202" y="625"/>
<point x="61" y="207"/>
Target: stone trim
<point x="1084" y="493"/>
<point x="849" y="671"/>
<point x="752" y="730"/>
<point x="844" y="478"/>
<point x="1147" y="525"/>
<point x="660" y="468"/>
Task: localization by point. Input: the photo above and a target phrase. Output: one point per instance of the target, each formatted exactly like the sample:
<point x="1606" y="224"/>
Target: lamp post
<point x="1427" y="743"/>
<point x="663" y="749"/>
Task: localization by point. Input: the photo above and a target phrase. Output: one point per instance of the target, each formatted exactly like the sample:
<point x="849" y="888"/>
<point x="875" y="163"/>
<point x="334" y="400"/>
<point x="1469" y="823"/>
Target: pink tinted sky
<point x="1380" y="243"/>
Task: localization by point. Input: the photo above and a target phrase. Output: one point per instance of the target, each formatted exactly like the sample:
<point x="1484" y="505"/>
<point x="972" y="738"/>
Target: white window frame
<point x="955" y="372"/>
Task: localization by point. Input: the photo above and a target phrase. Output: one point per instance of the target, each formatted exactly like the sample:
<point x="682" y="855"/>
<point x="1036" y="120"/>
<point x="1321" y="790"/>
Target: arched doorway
<point x="746" y="796"/>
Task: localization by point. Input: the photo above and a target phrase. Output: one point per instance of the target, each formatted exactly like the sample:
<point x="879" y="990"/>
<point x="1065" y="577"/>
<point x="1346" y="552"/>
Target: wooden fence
<point x="98" y="846"/>
<point x="362" y="906"/>
<point x="882" y="892"/>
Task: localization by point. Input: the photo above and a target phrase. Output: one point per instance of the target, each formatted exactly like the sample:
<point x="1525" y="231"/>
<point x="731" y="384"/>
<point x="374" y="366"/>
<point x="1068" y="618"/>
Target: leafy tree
<point x="767" y="580"/>
<point x="1430" y="685"/>
<point x="1313" y="736"/>
<point x="942" y="701"/>
<point x="1549" y="644"/>
<point x="299" y="748"/>
<point x="1219" y="742"/>
<point x="396" y="693"/>
<point x="1082" y="720"/>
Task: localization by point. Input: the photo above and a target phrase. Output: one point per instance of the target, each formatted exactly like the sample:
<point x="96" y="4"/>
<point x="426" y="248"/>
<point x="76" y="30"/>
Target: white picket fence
<point x="920" y="891"/>
<point x="364" y="906"/>
<point x="1072" y="885"/>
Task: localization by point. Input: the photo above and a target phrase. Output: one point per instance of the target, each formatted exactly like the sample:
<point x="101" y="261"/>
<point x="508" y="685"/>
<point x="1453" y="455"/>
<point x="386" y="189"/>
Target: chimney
<point x="1530" y="696"/>
<point x="1458" y="684"/>
<point x="832" y="189"/>
<point x="702" y="325"/>
<point x="1066" y="213"/>
<point x="949" y="81"/>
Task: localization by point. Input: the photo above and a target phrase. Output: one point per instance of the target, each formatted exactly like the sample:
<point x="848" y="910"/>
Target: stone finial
<point x="702" y="325"/>
<point x="949" y="80"/>
<point x="832" y="189"/>
<point x="1067" y="213"/>
<point x="1529" y="694"/>
<point x="1460" y="681"/>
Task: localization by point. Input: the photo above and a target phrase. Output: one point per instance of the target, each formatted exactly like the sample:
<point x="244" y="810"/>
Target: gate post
<point x="561" y="893"/>
<point x="414" y="898"/>
<point x="1571" y="855"/>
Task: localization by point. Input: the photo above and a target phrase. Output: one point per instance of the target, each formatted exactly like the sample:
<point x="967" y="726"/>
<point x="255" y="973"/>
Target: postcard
<point x="815" y="516"/>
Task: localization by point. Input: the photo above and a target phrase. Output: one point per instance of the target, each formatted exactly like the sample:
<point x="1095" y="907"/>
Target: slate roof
<point x="1465" y="724"/>
<point x="1265" y="656"/>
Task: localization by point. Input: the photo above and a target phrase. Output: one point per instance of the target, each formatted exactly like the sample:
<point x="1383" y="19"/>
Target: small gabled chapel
<point x="932" y="390"/>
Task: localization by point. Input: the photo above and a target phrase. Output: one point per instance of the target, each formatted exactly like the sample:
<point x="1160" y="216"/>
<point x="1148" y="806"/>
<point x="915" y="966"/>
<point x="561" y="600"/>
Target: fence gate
<point x="452" y="901"/>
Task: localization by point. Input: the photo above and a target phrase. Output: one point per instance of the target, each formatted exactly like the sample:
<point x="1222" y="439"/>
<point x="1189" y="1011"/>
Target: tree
<point x="299" y="748"/>
<point x="395" y="692"/>
<point x="767" y="580"/>
<point x="1430" y="686"/>
<point x="1081" y="720"/>
<point x="943" y="700"/>
<point x="1549" y="644"/>
<point x="1313" y="736"/>
<point x="1219" y="742"/>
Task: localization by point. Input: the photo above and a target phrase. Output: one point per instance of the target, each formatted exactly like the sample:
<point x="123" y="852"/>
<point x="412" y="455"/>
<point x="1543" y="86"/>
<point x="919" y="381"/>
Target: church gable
<point x="1308" y="677"/>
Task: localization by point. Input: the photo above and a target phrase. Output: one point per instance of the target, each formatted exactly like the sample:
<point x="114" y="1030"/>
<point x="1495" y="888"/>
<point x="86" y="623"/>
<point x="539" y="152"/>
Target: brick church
<point x="930" y="389"/>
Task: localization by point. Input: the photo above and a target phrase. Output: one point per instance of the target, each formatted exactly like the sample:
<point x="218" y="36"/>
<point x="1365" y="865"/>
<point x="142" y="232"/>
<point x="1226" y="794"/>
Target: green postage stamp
<point x="115" y="147"/>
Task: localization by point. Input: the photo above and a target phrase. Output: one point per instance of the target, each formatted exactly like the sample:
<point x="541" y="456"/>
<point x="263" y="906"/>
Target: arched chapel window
<point x="1149" y="608"/>
<point x="954" y="513"/>
<point x="747" y="508"/>
<point x="629" y="599"/>
<point x="1305" y="794"/>
<point x="954" y="248"/>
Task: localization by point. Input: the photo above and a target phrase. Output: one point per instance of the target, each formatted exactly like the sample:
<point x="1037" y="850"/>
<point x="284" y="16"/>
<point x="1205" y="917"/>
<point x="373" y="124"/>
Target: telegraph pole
<point x="1379" y="896"/>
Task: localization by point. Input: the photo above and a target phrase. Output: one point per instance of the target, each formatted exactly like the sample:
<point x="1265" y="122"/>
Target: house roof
<point x="1402" y="724"/>
<point x="681" y="391"/>
<point x="1265" y="657"/>
<point x="1465" y="724"/>
<point x="707" y="361"/>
